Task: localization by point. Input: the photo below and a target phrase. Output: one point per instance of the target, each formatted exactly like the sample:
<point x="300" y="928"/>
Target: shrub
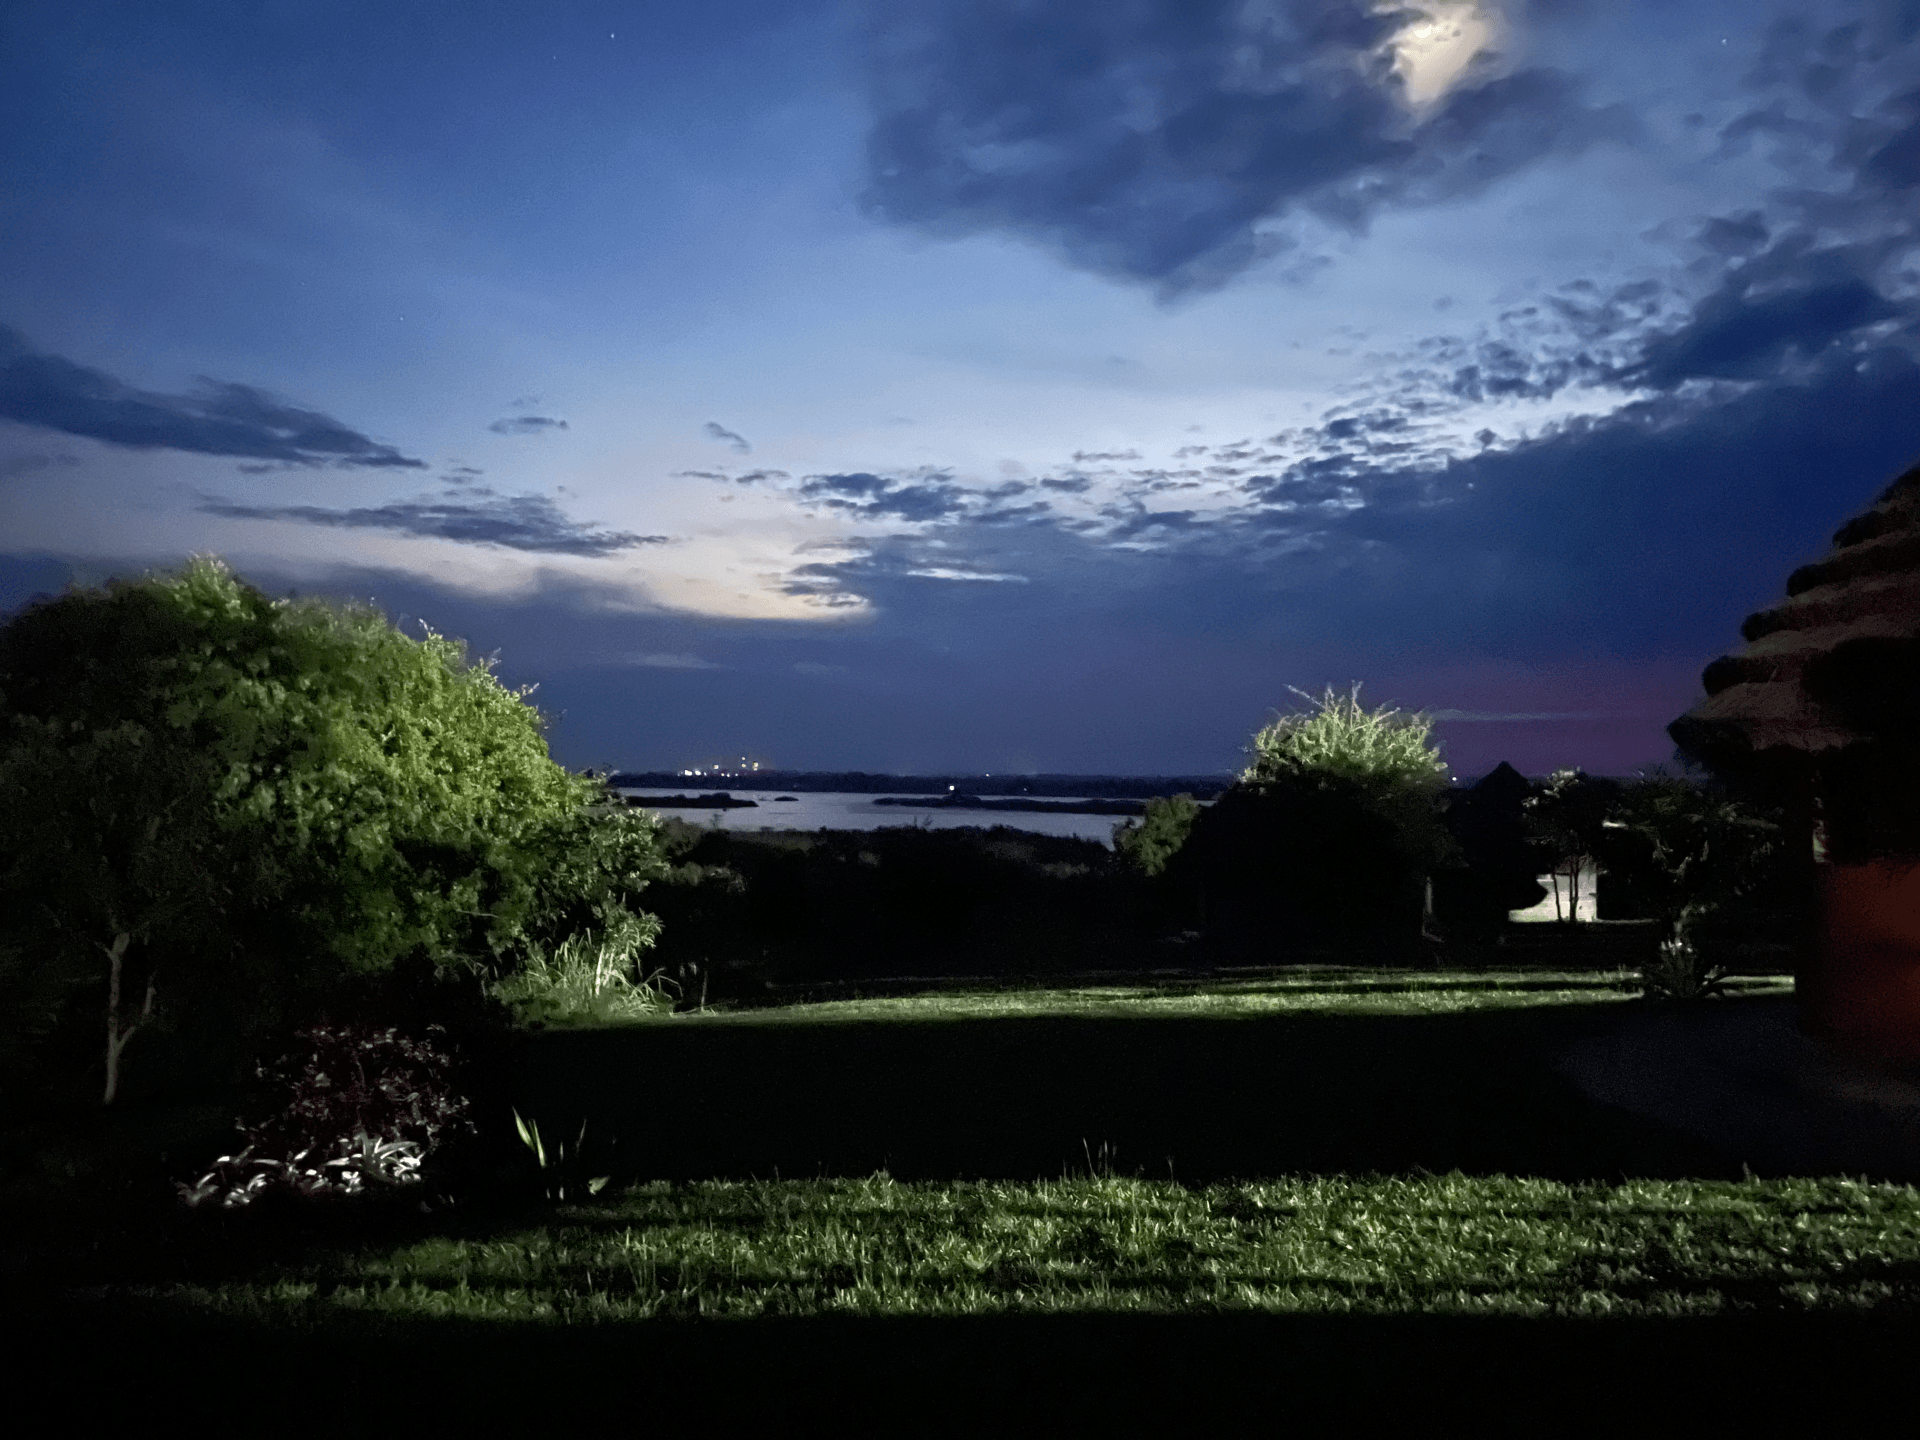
<point x="1300" y="863"/>
<point x="1696" y="853"/>
<point x="1681" y="974"/>
<point x="1149" y="842"/>
<point x="587" y="980"/>
<point x="361" y="1104"/>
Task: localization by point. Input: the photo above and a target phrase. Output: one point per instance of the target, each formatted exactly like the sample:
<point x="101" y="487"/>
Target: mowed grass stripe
<point x="1333" y="991"/>
<point x="1421" y="1245"/>
<point x="1343" y="1238"/>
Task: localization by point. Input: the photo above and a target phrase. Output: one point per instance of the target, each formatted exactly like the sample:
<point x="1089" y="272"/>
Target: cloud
<point x="1734" y="235"/>
<point x="720" y="432"/>
<point x="947" y="572"/>
<point x="1158" y="141"/>
<point x="517" y="522"/>
<point x="33" y="462"/>
<point x="885" y="562"/>
<point x="526" y="425"/>
<point x="872" y="497"/>
<point x="1740" y="336"/>
<point x="672" y="662"/>
<point x="814" y="667"/>
<point x="1896" y="164"/>
<point x="219" y="419"/>
<point x="1481" y="715"/>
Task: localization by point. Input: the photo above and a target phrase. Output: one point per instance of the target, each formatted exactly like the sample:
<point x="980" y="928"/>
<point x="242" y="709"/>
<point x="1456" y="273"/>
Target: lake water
<point x="834" y="810"/>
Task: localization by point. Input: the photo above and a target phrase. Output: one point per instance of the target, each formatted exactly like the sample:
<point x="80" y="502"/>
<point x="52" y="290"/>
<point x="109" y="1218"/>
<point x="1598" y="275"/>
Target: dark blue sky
<point x="975" y="385"/>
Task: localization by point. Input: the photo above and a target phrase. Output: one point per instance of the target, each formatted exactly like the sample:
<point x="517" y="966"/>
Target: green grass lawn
<point x="1322" y="1147"/>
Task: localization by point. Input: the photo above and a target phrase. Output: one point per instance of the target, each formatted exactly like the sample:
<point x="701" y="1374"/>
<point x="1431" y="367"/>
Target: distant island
<point x="718" y="800"/>
<point x="1107" y="787"/>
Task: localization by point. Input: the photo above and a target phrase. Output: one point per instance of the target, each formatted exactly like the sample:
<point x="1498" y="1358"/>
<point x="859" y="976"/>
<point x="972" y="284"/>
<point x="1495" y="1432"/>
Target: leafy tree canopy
<point x="1389" y="761"/>
<point x="1149" y="842"/>
<point x="245" y="796"/>
<point x="1344" y="739"/>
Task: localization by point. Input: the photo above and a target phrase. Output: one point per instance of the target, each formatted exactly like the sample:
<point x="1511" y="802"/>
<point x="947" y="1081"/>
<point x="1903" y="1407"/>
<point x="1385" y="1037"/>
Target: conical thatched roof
<point x="1834" y="667"/>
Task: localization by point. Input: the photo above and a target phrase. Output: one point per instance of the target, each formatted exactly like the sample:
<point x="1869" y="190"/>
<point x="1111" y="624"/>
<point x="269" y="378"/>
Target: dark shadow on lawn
<point x="934" y="1375"/>
<point x="1200" y="1099"/>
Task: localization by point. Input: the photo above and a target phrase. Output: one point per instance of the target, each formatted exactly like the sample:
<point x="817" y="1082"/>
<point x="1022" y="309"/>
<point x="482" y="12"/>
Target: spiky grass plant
<point x="1681" y="973"/>
<point x="587" y="979"/>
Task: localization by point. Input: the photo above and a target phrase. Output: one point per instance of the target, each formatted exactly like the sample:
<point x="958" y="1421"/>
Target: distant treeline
<point x="859" y="782"/>
<point x="1254" y="879"/>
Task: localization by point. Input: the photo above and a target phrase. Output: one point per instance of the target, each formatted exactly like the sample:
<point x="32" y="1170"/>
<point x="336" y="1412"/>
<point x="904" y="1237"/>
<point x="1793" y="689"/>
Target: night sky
<point x="974" y="386"/>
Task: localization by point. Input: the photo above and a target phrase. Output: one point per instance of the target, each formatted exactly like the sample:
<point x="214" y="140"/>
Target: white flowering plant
<point x="362" y="1110"/>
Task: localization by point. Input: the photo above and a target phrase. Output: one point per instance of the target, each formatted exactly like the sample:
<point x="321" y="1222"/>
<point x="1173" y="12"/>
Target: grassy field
<point x="1207" y="1160"/>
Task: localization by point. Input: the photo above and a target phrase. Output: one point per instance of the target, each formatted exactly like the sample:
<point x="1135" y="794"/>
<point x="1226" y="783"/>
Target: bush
<point x="361" y="1105"/>
<point x="1681" y="974"/>
<point x="1151" y="841"/>
<point x="587" y="980"/>
<point x="1692" y="855"/>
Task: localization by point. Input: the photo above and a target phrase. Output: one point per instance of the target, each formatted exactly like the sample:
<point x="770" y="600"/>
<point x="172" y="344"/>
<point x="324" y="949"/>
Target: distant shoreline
<point x="1073" y="787"/>
<point x="725" y="800"/>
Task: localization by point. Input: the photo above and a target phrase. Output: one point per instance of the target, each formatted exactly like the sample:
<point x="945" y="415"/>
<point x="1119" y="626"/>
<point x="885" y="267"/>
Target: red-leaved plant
<point x="365" y="1104"/>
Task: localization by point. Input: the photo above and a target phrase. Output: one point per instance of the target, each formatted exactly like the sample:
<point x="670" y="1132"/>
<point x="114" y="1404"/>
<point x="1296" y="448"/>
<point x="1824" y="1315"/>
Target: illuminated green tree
<point x="1386" y="758"/>
<point x="241" y="804"/>
<point x="1331" y="830"/>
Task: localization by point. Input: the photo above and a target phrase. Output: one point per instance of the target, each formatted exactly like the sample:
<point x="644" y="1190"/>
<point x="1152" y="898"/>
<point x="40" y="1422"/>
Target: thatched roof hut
<point x="1832" y="669"/>
<point x="1820" y="710"/>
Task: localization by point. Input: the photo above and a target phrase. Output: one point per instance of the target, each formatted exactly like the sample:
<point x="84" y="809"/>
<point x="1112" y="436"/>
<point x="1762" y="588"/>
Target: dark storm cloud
<point x="526" y="425"/>
<point x="1735" y="337"/>
<point x="1799" y="56"/>
<point x="518" y="522"/>
<point x="1734" y="235"/>
<point x="720" y="432"/>
<point x="1512" y="545"/>
<point x="1145" y="141"/>
<point x="1897" y="162"/>
<point x="1790" y="303"/>
<point x="220" y="419"/>
<point x="1828" y="104"/>
<point x="872" y="497"/>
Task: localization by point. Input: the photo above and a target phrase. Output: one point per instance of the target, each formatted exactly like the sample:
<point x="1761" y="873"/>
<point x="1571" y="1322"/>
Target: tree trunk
<point x="1806" y="838"/>
<point x="116" y="1037"/>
